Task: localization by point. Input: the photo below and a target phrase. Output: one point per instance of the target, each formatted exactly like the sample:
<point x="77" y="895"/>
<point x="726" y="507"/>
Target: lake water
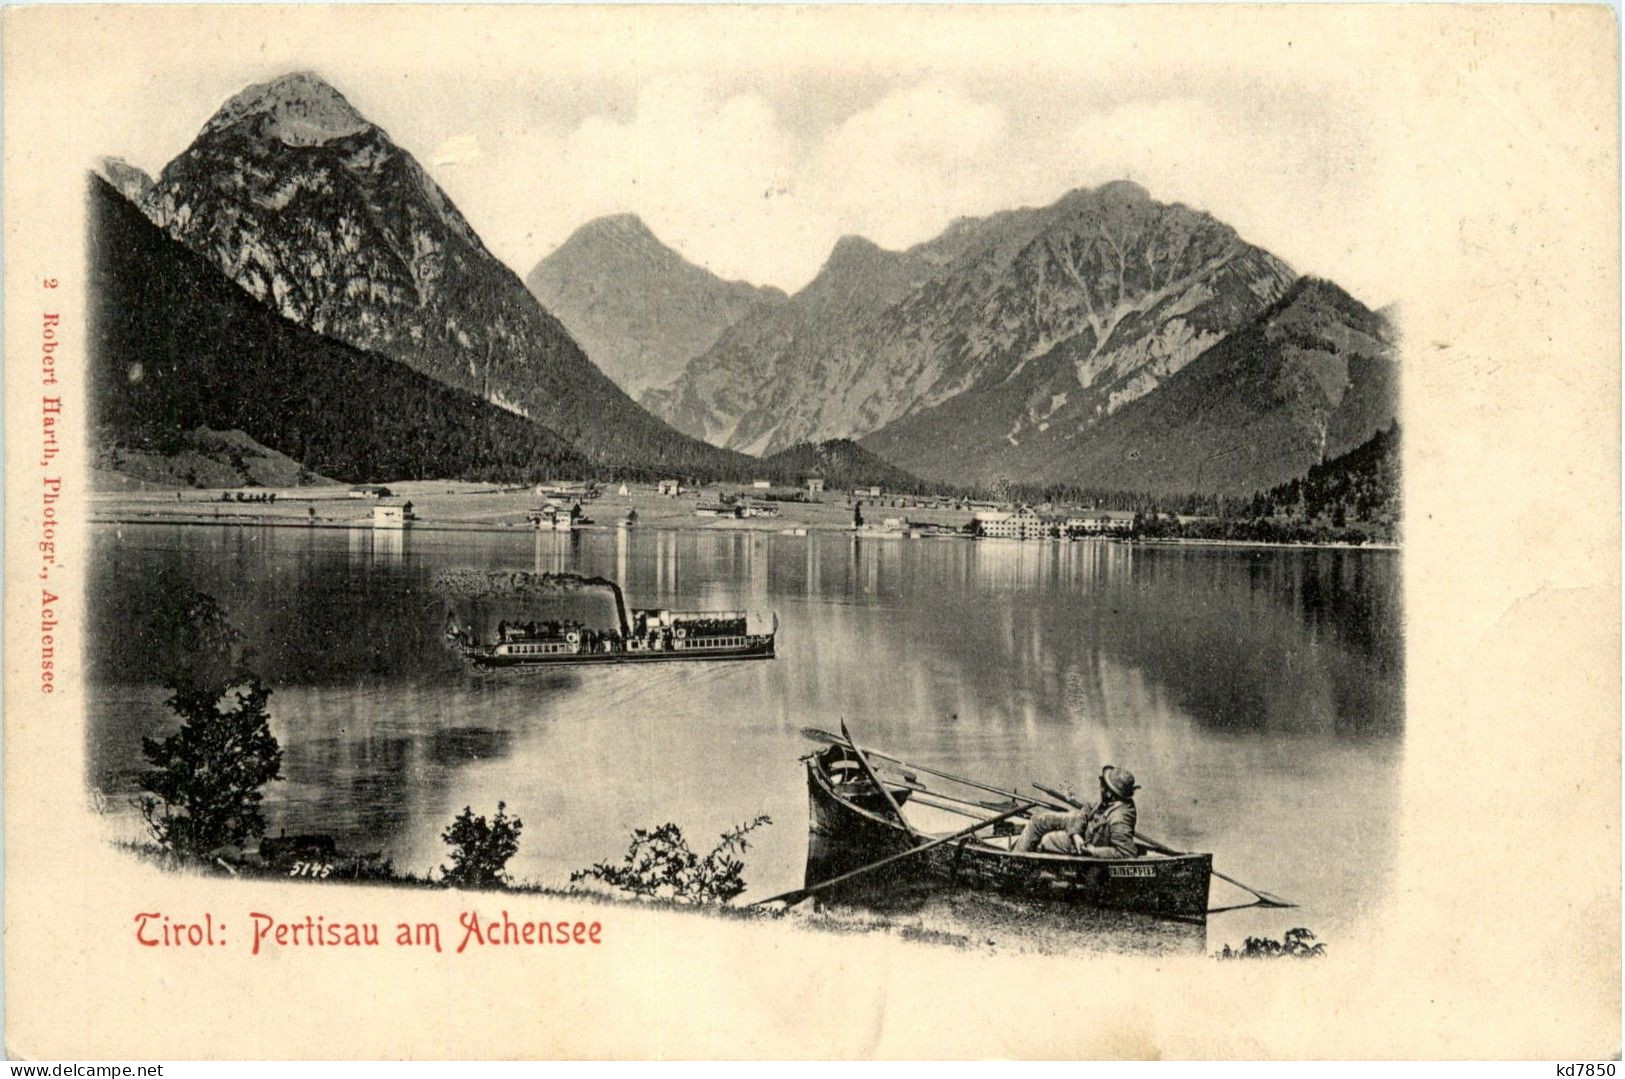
<point x="1257" y="694"/>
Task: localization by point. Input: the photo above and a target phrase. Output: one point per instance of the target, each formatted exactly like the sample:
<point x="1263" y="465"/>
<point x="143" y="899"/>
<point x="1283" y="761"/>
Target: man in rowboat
<point x="1102" y="830"/>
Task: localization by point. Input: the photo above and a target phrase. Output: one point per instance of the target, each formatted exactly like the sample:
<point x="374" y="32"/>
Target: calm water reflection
<point x="1258" y="694"/>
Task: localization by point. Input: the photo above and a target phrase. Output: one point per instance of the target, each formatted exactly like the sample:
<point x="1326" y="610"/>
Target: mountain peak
<point x="620" y="236"/>
<point x="1114" y="193"/>
<point x="1124" y="191"/>
<point x="850" y="245"/>
<point x="317" y="214"/>
<point x="298" y="109"/>
<point x="853" y="252"/>
<point x="132" y="182"/>
<point x="639" y="308"/>
<point x="626" y="225"/>
<point x="858" y="263"/>
<point x="620" y="240"/>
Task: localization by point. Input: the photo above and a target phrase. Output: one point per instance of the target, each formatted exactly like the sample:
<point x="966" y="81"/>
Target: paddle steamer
<point x="639" y="636"/>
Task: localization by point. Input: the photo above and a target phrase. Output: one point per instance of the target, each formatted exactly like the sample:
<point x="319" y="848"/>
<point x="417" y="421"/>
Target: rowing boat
<point x="849" y="814"/>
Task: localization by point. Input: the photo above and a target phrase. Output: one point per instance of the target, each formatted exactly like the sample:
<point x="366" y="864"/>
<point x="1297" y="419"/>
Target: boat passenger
<point x="1102" y="830"/>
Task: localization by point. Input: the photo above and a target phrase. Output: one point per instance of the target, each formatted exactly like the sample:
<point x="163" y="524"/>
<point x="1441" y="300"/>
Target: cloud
<point x="1286" y="175"/>
<point x="718" y="177"/>
<point x="927" y="125"/>
<point x="898" y="169"/>
<point x="457" y="150"/>
<point x="739" y="182"/>
<point x="752" y="140"/>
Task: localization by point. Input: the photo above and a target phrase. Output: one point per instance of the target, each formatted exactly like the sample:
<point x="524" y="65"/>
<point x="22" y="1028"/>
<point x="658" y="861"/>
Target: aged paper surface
<point x="1487" y="162"/>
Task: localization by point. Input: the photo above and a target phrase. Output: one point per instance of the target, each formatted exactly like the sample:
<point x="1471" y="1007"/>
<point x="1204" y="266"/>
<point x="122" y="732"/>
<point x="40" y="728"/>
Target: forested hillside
<point x="1361" y="485"/>
<point x="174" y="346"/>
<point x="841" y="463"/>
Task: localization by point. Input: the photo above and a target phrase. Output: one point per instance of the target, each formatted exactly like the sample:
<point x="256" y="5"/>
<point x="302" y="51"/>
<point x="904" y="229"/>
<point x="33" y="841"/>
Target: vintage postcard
<point x="818" y="532"/>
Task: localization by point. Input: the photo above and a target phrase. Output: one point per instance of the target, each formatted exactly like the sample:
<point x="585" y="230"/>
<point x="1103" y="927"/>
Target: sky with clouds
<point x="752" y="149"/>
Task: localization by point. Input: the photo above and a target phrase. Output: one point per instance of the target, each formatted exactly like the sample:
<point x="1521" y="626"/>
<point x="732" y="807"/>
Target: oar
<point x="834" y="739"/>
<point x="930" y="796"/>
<point x="925" y="796"/>
<point x="799" y="894"/>
<point x="951" y="804"/>
<point x="912" y="782"/>
<point x="1265" y="898"/>
<point x="896" y="809"/>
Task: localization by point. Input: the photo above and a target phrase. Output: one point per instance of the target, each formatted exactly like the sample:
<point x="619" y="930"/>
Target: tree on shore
<point x="201" y="790"/>
<point x="660" y="865"/>
<point x="480" y="849"/>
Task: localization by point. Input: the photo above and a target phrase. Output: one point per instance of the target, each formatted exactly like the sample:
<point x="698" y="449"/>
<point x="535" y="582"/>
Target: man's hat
<point x="1121" y="782"/>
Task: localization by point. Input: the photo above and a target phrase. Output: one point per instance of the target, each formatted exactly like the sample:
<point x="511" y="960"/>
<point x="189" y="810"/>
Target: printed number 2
<point x="310" y="869"/>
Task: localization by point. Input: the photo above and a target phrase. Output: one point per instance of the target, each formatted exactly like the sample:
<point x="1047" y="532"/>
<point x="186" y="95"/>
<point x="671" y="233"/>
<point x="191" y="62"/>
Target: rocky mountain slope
<point x="758" y="388"/>
<point x="1023" y="322"/>
<point x="174" y="346"/>
<point x="639" y="308"/>
<point x="129" y="180"/>
<point x="315" y="212"/>
<point x="1311" y="377"/>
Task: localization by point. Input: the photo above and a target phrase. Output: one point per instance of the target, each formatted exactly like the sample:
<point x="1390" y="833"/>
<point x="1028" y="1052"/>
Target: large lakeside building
<point x="1024" y="522"/>
<point x="1096" y="522"/>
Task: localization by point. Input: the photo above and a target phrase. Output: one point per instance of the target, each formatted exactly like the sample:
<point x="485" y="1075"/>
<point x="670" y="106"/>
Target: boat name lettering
<point x="1133" y="871"/>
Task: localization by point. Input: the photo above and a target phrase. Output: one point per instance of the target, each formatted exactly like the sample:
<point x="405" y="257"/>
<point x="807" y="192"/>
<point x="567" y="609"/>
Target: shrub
<point x="1295" y="945"/>
<point x="480" y="849"/>
<point x="659" y="865"/>
<point x="202" y="791"/>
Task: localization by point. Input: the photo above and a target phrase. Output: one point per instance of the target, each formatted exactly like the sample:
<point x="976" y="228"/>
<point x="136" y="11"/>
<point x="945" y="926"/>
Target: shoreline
<point x="1183" y="542"/>
<point x="461" y="506"/>
<point x="801" y="530"/>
